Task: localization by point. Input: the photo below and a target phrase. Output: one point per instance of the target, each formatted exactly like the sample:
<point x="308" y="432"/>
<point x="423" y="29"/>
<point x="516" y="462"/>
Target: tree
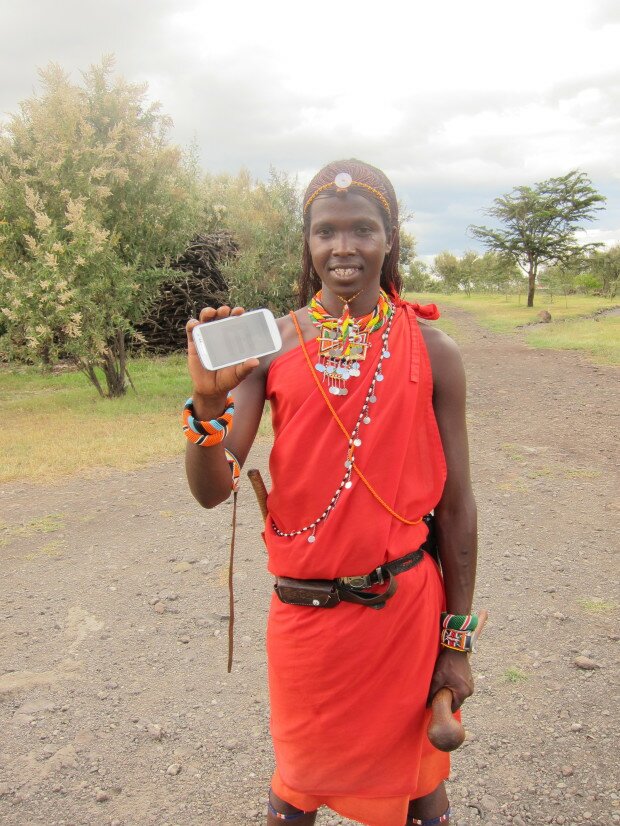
<point x="265" y="220"/>
<point x="93" y="200"/>
<point x="446" y="268"/>
<point x="605" y="265"/>
<point x="539" y="223"/>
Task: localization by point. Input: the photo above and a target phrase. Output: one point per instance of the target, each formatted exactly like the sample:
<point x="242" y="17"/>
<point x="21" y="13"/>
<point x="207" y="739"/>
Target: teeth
<point x="340" y="271"/>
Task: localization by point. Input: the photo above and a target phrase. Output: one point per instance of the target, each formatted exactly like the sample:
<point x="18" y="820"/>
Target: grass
<point x="57" y="425"/>
<point x="599" y="339"/>
<point x="596" y="605"/>
<point x="514" y="675"/>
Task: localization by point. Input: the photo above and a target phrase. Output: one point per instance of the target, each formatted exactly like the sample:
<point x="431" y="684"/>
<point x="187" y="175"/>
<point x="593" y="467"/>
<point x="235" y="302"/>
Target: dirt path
<point x="115" y="705"/>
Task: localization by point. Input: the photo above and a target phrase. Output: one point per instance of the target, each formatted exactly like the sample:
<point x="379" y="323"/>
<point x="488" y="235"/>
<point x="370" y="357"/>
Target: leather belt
<point x="327" y="593"/>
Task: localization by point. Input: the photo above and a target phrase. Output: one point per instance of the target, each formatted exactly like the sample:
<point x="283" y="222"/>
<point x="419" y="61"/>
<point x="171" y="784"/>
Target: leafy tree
<point x="92" y="200"/>
<point x="446" y="269"/>
<point x="539" y="223"/>
<point x="265" y="220"/>
<point x="605" y="266"/>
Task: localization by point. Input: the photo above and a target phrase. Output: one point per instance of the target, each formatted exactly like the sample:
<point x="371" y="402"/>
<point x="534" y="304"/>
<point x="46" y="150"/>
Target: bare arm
<point x="456" y="516"/>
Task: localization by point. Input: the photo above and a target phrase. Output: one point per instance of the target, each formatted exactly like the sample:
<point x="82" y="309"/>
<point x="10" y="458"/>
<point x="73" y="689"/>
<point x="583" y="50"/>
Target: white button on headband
<point x="343" y="180"/>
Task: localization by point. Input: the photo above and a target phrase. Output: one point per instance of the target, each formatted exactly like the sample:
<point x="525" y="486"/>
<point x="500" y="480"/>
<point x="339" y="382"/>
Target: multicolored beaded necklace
<point x="344" y="341"/>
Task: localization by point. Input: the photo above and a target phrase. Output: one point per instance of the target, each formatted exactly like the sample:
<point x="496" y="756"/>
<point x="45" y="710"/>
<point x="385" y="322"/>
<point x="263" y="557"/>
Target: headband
<point x="342" y="182"/>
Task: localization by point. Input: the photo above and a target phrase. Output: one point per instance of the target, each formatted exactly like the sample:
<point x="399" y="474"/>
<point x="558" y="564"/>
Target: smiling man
<point x="368" y="408"/>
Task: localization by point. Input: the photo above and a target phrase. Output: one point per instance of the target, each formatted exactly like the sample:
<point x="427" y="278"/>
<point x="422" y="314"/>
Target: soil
<point x="115" y="704"/>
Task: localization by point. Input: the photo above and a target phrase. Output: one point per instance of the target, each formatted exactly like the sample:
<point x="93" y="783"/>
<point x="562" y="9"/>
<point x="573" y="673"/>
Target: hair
<point x="391" y="281"/>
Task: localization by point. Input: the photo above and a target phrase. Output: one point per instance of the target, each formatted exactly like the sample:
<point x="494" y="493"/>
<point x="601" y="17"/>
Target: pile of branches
<point x="201" y="284"/>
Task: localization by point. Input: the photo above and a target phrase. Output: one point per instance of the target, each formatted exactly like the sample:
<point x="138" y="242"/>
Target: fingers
<point x="245" y="368"/>
<point x="211" y="314"/>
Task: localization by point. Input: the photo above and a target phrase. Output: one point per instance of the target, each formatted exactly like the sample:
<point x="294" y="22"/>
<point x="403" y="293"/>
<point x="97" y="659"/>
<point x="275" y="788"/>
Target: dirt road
<point x="115" y="704"/>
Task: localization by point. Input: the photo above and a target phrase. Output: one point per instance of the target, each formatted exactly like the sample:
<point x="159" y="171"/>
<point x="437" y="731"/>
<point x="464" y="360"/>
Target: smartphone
<point x="234" y="339"/>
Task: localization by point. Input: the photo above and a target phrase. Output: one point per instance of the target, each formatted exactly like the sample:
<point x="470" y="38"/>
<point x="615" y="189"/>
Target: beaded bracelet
<point x="459" y="622"/>
<point x="206" y="434"/>
<point x="462" y="641"/>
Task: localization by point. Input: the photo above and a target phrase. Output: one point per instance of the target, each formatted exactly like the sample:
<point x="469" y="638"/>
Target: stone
<point x="154" y="731"/>
<point x="101" y="796"/>
<point x="576" y="727"/>
<point x="567" y="771"/>
<point x="586" y="664"/>
<point x="159" y="608"/>
<point x="544" y="316"/>
<point x="173" y="769"/>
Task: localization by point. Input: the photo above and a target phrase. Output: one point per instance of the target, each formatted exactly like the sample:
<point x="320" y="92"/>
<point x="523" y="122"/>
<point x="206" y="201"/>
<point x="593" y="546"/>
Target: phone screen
<point x="237" y="339"/>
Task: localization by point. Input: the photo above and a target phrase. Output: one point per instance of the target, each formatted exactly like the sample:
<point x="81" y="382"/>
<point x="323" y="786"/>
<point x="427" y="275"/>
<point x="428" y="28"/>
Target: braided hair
<point x="391" y="281"/>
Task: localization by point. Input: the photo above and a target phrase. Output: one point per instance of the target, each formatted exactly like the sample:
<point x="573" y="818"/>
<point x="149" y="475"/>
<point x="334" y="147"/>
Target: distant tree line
<point x="97" y="208"/>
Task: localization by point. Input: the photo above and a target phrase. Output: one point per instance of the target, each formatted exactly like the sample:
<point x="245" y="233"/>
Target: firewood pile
<point x="202" y="284"/>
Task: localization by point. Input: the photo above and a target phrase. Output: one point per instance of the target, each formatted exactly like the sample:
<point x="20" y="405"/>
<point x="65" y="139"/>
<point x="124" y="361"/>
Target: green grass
<point x="502" y="315"/>
<point x="596" y="605"/>
<point x="514" y="675"/>
<point x="57" y="425"/>
<point x="599" y="339"/>
<point x="568" y="330"/>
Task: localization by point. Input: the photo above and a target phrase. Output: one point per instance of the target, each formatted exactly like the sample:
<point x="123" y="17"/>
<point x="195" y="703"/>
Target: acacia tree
<point x="92" y="200"/>
<point x="539" y="223"/>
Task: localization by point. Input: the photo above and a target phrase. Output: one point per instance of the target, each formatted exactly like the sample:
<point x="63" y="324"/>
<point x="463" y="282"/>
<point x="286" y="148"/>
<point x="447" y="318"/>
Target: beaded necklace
<point x="344" y="341"/>
<point x="353" y="439"/>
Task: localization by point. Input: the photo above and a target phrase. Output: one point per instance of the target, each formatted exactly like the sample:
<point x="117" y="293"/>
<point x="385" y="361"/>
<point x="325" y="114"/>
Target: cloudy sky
<point x="458" y="101"/>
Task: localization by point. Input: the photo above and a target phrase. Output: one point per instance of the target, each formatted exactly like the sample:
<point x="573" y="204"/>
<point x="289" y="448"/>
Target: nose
<point x="343" y="244"/>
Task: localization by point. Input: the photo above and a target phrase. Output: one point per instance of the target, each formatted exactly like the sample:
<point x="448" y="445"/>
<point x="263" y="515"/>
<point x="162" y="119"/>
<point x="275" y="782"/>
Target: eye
<point x="323" y="232"/>
<point x="363" y="231"/>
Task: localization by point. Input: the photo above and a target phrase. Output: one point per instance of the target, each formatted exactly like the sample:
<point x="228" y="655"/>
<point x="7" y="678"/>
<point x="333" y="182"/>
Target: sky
<point x="458" y="102"/>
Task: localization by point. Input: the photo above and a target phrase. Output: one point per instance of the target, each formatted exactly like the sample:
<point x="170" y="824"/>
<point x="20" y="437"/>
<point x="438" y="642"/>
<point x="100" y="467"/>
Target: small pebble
<point x="173" y="769"/>
<point x="101" y="796"/>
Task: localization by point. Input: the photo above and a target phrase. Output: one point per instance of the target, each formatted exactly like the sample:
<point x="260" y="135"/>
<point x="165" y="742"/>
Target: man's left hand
<point x="452" y="670"/>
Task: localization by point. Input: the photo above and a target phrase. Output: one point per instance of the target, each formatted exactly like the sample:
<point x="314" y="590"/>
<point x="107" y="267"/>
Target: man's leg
<point x="430" y="810"/>
<point x="281" y="812"/>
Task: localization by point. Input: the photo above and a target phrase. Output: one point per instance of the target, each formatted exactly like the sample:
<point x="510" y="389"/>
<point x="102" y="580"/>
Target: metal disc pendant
<point x="386" y="354"/>
<point x="320" y="368"/>
<point x="354" y="371"/>
<point x="379" y="376"/>
<point x="348" y="463"/>
<point x="372" y="399"/>
<point x="312" y="538"/>
<point x="348" y="484"/>
<point x="357" y="442"/>
<point x="366" y="419"/>
<point x="335" y="391"/>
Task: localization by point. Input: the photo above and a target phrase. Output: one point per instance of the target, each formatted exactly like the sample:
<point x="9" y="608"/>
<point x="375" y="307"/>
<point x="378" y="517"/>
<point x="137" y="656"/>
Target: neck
<point x="360" y="305"/>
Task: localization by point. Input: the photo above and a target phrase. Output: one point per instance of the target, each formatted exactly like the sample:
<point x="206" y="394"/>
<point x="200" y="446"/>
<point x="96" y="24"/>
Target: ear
<point x="390" y="242"/>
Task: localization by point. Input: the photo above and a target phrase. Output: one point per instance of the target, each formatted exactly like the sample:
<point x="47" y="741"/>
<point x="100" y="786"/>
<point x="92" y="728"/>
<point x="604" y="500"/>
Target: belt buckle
<point x="356" y="582"/>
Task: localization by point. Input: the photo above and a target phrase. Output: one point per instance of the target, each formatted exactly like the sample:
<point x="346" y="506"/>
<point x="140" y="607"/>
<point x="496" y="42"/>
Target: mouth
<point x="345" y="272"/>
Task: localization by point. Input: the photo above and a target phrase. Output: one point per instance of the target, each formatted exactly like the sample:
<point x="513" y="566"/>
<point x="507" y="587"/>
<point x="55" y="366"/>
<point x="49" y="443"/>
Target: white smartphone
<point x="234" y="339"/>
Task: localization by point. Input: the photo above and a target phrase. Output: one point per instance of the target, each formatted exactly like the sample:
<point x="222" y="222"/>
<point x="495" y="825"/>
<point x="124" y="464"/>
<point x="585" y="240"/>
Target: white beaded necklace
<point x="354" y="442"/>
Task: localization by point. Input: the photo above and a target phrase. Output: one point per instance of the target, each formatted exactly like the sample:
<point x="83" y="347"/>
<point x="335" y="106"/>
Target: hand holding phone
<point x="211" y="386"/>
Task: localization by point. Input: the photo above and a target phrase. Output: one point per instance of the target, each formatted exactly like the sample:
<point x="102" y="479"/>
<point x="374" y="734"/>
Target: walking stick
<point x="444" y="732"/>
<point x="259" y="489"/>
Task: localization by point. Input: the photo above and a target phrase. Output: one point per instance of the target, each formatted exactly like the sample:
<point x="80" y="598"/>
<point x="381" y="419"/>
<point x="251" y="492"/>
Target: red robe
<point x="349" y="685"/>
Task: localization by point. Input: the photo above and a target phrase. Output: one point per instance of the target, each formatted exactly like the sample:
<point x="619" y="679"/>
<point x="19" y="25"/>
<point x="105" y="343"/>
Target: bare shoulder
<point x="288" y="332"/>
<point x="444" y="355"/>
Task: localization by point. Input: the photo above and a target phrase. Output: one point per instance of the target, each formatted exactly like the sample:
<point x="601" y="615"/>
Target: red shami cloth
<point x="348" y="685"/>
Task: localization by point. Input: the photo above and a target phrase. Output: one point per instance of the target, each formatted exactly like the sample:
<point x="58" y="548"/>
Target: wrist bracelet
<point x="459" y="622"/>
<point x="206" y="434"/>
<point x="462" y="641"/>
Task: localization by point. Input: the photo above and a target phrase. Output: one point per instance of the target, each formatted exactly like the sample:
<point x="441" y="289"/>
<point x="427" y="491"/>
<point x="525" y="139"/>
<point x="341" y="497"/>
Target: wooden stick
<point x="444" y="732"/>
<point x="259" y="489"/>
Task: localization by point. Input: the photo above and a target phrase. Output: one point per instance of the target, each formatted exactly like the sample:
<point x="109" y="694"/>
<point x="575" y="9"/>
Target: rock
<point x="101" y="796"/>
<point x="586" y="664"/>
<point x="173" y="769"/>
<point x="489" y="803"/>
<point x="544" y="316"/>
<point x="159" y="608"/>
<point x="154" y="731"/>
<point x="181" y="567"/>
<point x="576" y="727"/>
<point x="184" y="638"/>
<point x="567" y="771"/>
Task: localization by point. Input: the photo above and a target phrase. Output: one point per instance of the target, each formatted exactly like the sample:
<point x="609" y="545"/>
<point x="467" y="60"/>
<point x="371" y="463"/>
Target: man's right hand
<point x="211" y="387"/>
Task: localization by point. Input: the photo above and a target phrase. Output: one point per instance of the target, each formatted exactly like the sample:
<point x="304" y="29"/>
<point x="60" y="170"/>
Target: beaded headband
<point x="342" y="182"/>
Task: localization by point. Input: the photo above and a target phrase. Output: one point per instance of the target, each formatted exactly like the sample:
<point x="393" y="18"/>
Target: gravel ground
<point x="115" y="703"/>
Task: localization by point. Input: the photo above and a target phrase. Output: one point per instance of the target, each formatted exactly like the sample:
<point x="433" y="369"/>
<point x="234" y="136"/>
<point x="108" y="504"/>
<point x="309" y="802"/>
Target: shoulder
<point x="288" y="333"/>
<point x="443" y="351"/>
